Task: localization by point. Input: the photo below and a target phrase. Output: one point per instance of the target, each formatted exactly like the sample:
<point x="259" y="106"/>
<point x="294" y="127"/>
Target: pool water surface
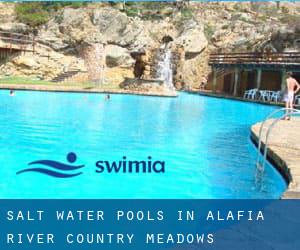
<point x="203" y="141"/>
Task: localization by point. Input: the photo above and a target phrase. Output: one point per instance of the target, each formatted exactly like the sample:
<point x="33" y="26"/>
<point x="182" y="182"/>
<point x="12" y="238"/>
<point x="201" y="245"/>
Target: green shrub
<point x="38" y="13"/>
<point x="32" y="14"/>
<point x="132" y="12"/>
<point x="54" y="6"/>
<point x="225" y="27"/>
<point x="148" y="10"/>
<point x="284" y="10"/>
<point x="208" y="31"/>
<point x="187" y="13"/>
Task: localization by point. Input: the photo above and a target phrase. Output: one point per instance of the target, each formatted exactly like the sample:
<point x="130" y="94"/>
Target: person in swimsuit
<point x="292" y="88"/>
<point x="203" y="83"/>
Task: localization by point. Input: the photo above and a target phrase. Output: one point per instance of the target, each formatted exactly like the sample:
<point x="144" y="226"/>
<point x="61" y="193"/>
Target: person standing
<point x="292" y="88"/>
<point x="203" y="83"/>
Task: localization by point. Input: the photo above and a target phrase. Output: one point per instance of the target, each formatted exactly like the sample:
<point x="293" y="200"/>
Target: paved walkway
<point x="284" y="151"/>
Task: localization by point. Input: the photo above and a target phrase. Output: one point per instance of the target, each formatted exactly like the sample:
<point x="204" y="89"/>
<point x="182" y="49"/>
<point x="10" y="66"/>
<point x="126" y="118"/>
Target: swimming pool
<point x="204" y="142"/>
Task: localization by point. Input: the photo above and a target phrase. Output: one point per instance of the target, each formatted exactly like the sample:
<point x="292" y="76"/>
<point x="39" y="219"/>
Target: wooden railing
<point x="255" y="58"/>
<point x="16" y="41"/>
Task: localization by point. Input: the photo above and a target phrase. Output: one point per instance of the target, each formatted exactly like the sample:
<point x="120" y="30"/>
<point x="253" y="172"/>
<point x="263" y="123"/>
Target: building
<point x="234" y="73"/>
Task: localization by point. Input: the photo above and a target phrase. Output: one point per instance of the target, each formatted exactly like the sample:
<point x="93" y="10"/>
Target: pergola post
<point x="236" y="80"/>
<point x="214" y="83"/>
<point x="258" y="78"/>
<point x="283" y="79"/>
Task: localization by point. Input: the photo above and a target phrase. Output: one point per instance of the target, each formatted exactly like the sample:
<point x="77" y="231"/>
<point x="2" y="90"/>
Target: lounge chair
<point x="264" y="95"/>
<point x="297" y="99"/>
<point x="250" y="94"/>
<point x="275" y="96"/>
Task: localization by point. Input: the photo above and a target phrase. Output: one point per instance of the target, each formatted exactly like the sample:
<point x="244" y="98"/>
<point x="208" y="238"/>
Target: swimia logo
<point x="61" y="170"/>
<point x="55" y="168"/>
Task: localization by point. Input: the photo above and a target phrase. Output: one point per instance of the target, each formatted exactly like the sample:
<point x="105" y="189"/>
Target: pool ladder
<point x="260" y="165"/>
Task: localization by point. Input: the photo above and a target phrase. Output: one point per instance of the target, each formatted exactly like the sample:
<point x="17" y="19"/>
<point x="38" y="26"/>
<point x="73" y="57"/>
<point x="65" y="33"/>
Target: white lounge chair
<point x="250" y="94"/>
<point x="275" y="96"/>
<point x="246" y="94"/>
<point x="297" y="99"/>
<point x="264" y="95"/>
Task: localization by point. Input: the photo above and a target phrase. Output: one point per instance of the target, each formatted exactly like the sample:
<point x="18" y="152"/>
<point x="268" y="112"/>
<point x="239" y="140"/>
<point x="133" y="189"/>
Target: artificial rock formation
<point x="131" y="43"/>
<point x="94" y="58"/>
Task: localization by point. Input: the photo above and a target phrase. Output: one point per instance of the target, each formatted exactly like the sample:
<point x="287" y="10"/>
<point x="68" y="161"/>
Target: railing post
<point x="33" y="44"/>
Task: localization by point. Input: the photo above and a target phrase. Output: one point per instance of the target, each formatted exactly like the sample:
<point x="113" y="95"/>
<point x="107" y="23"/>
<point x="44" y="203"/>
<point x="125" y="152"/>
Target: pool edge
<point x="61" y="89"/>
<point x="233" y="98"/>
<point x="281" y="164"/>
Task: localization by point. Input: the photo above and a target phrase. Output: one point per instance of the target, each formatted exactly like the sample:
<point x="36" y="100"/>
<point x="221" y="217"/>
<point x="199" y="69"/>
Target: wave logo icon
<point x="55" y="168"/>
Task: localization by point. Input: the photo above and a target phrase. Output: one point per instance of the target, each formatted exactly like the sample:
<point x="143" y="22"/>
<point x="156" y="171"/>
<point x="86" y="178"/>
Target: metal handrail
<point x="25" y="41"/>
<point x="14" y="33"/>
<point x="16" y="41"/>
<point x="269" y="131"/>
<point x="292" y="112"/>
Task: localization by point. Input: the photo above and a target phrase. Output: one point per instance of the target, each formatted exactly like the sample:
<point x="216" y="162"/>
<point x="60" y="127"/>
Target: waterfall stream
<point x="165" y="71"/>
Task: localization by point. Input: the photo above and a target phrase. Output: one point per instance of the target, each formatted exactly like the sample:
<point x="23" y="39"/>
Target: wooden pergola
<point x="256" y="61"/>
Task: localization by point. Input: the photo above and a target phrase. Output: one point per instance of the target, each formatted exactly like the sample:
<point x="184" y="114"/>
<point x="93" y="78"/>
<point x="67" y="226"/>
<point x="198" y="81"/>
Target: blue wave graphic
<point x="56" y="165"/>
<point x="49" y="172"/>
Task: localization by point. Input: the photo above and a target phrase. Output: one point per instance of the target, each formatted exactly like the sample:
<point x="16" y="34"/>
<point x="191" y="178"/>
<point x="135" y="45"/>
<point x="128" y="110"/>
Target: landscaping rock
<point x="118" y="56"/>
<point x="192" y="38"/>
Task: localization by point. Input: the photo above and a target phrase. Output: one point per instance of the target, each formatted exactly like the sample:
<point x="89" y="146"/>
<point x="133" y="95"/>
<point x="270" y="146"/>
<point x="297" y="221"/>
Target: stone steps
<point x="65" y="75"/>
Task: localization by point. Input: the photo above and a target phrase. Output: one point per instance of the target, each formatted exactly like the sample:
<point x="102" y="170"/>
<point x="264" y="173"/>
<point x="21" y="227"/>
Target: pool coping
<point x="74" y="89"/>
<point x="230" y="97"/>
<point x="282" y="163"/>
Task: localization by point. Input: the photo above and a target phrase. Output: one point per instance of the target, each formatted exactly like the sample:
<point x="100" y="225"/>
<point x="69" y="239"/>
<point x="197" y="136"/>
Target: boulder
<point x="111" y="23"/>
<point x="25" y="61"/>
<point x="73" y="17"/>
<point x="153" y="87"/>
<point x="76" y="27"/>
<point x="118" y="56"/>
<point x="136" y="36"/>
<point x="14" y="27"/>
<point x="192" y="38"/>
<point x="52" y="40"/>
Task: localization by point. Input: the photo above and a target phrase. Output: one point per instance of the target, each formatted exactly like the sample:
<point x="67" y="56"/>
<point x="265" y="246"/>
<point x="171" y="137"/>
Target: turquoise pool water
<point x="204" y="142"/>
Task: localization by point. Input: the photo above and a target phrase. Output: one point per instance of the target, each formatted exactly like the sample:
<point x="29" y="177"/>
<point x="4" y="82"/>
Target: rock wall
<point x="131" y="42"/>
<point x="42" y="64"/>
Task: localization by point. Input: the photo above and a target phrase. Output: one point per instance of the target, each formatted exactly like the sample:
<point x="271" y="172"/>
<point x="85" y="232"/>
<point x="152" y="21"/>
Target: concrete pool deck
<point x="284" y="151"/>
